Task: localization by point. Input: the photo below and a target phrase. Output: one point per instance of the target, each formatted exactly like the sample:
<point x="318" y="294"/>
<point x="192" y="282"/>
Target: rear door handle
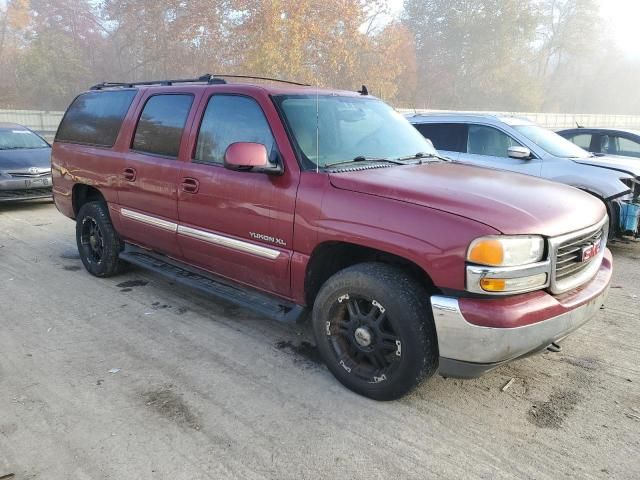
<point x="190" y="185"/>
<point x="129" y="174"/>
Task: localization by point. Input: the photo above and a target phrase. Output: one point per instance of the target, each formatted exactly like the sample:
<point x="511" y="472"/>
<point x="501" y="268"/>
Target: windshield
<point x="14" y="138"/>
<point x="333" y="129"/>
<point x="552" y="142"/>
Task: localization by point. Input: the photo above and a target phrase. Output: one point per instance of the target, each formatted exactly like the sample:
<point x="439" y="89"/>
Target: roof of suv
<point x="466" y="117"/>
<point x="245" y="87"/>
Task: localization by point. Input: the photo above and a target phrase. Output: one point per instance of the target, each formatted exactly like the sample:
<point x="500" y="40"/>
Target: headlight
<point x="506" y="251"/>
<point x="503" y="265"/>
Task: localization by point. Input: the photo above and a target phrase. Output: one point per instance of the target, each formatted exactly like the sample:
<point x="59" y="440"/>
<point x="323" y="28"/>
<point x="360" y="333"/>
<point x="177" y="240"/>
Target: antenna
<point x="317" y="130"/>
<point x="364" y="90"/>
<point x="578" y="125"/>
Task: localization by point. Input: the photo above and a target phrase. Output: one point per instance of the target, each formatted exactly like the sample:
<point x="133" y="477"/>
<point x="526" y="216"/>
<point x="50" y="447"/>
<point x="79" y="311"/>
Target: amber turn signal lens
<point x="487" y="252"/>
<point x="513" y="284"/>
<point x="493" y="284"/>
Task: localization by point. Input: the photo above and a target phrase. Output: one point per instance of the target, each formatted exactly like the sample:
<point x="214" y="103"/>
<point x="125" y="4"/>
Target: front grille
<point x="569" y="270"/>
<point x="569" y="256"/>
<point x="25" y="193"/>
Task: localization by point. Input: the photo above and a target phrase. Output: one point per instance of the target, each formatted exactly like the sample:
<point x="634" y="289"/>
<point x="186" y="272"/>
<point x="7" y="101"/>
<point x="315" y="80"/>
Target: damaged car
<point x="519" y="145"/>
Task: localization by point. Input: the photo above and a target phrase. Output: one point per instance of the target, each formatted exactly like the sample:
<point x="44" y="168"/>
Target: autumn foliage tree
<point x="450" y="54"/>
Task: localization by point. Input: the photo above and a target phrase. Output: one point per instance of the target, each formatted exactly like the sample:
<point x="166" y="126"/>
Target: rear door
<point x="488" y="146"/>
<point x="148" y="180"/>
<point x="448" y="138"/>
<point x="237" y="224"/>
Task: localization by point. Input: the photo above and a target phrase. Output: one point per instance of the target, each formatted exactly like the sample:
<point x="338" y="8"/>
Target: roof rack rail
<point x="263" y="78"/>
<point x="208" y="79"/>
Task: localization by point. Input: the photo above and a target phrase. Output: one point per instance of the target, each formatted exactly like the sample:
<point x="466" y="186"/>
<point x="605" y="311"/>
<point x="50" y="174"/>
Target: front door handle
<point x="129" y="174"/>
<point x="190" y="185"/>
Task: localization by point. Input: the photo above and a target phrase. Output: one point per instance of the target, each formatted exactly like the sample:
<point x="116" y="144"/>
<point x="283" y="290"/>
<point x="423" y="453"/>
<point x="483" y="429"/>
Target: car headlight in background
<point x="506" y="251"/>
<point x="507" y="264"/>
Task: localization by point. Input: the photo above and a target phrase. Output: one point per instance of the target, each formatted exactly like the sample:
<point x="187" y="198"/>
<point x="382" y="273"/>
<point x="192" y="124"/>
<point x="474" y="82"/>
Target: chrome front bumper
<point x="468" y="350"/>
<point x="27" y="188"/>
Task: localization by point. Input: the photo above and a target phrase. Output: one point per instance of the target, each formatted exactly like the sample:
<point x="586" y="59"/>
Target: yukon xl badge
<point x="268" y="238"/>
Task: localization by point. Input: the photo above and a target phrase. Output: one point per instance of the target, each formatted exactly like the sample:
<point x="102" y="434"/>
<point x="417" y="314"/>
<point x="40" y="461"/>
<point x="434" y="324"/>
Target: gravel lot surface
<point x="135" y="378"/>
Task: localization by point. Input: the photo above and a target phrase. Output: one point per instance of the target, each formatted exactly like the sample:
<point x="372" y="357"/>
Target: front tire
<point x="99" y="245"/>
<point x="373" y="327"/>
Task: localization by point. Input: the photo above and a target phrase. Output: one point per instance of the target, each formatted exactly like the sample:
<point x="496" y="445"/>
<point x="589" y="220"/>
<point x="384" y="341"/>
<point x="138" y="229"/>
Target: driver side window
<point x="229" y="119"/>
<point x="483" y="140"/>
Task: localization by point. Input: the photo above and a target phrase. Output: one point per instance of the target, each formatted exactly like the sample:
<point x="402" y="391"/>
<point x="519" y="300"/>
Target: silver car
<point x="25" y="164"/>
<point x="516" y="144"/>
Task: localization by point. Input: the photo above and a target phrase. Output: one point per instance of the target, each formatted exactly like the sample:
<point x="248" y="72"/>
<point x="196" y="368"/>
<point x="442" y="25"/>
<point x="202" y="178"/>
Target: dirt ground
<point x="135" y="378"/>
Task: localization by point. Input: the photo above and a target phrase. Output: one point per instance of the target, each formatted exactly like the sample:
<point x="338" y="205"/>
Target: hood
<point x="509" y="202"/>
<point x="623" y="164"/>
<point x="21" y="160"/>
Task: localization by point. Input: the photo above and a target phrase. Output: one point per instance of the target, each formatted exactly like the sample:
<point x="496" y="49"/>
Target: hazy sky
<point x="623" y="16"/>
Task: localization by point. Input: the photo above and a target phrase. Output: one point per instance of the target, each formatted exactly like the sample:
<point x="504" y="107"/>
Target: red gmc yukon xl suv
<point x="291" y="199"/>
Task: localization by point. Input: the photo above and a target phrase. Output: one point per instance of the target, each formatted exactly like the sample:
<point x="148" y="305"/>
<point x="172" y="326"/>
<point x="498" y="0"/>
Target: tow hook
<point x="554" y="347"/>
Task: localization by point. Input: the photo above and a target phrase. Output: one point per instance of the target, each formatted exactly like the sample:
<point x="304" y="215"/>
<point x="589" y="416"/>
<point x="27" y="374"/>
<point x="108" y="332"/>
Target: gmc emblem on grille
<point x="590" y="251"/>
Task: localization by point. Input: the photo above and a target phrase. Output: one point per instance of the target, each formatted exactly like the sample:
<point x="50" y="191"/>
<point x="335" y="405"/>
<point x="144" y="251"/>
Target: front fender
<point x="434" y="240"/>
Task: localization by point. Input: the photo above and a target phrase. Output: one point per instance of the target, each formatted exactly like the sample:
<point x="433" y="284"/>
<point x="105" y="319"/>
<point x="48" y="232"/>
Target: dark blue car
<point x="606" y="141"/>
<point x="25" y="164"/>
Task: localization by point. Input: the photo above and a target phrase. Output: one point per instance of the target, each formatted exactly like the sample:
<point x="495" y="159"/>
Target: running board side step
<point x="272" y="307"/>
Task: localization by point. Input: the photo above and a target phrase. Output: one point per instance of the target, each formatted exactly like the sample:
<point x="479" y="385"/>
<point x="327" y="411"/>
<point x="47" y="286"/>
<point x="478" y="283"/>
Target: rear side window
<point x="627" y="147"/>
<point x="161" y="124"/>
<point x="95" y="118"/>
<point x="449" y="137"/>
<point x="229" y="119"/>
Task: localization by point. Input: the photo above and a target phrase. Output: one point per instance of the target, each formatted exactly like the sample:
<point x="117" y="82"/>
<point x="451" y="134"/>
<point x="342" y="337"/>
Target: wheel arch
<point x="83" y="193"/>
<point x="330" y="257"/>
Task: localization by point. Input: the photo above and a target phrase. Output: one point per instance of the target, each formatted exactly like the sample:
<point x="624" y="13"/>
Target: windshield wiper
<point x="422" y="155"/>
<point x="362" y="158"/>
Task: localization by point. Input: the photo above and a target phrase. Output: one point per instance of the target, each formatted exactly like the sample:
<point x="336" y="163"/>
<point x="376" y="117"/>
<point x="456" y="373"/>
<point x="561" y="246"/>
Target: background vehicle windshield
<point x="330" y="129"/>
<point x="15" y="138"/>
<point x="552" y="142"/>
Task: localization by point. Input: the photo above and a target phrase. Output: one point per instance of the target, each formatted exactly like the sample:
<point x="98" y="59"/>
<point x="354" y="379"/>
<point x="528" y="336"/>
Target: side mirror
<point x="521" y="153"/>
<point x="248" y="156"/>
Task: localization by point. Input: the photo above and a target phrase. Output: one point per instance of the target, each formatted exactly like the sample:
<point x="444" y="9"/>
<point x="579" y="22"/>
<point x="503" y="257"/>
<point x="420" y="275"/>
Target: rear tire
<point x="98" y="243"/>
<point x="374" y="329"/>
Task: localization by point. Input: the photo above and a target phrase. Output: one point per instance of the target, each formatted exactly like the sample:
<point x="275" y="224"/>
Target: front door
<point x="148" y="181"/>
<point x="487" y="146"/>
<point x="237" y="224"/>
